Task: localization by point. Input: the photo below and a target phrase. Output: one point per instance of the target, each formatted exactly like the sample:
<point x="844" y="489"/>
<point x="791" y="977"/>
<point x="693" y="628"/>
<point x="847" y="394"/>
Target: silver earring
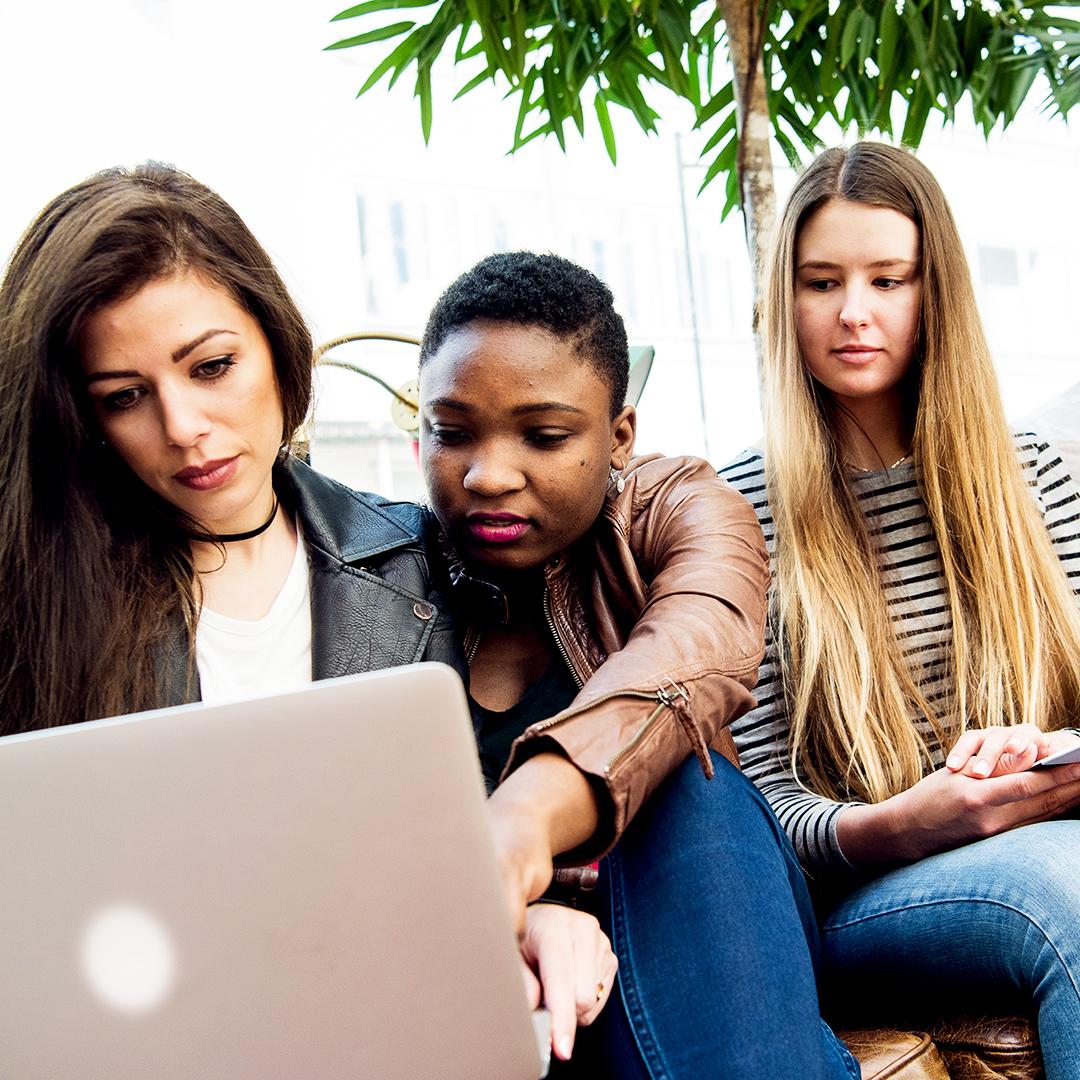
<point x="617" y="480"/>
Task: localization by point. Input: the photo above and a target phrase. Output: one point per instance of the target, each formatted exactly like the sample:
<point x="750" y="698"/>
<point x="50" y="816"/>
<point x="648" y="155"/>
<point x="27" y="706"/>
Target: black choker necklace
<point x="230" y="538"/>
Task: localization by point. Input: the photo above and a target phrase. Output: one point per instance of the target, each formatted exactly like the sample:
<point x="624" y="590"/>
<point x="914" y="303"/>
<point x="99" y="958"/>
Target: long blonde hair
<point x="1015" y="654"/>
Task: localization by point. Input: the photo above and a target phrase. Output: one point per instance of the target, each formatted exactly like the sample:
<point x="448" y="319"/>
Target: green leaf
<point x="724" y="97"/>
<point x="732" y="192"/>
<point x="695" y="80"/>
<point x="604" y="120"/>
<point x="786" y="145"/>
<point x="1019" y="91"/>
<point x="727" y="125"/>
<point x="379" y="5"/>
<point x="526" y="103"/>
<point x="806" y="134"/>
<point x="381" y="34"/>
<point x="810" y="13"/>
<point x="867" y="39"/>
<point x="916" y="32"/>
<point x="917" y="115"/>
<point x="725" y="159"/>
<point x="398" y="58"/>
<point x="423" y="91"/>
<point x="543" y="129"/>
<point x="889" y="29"/>
<point x="829" y="57"/>
<point x="485" y="75"/>
<point x="851" y="36"/>
<point x="578" y="116"/>
<point x="556" y="113"/>
<point x="574" y="49"/>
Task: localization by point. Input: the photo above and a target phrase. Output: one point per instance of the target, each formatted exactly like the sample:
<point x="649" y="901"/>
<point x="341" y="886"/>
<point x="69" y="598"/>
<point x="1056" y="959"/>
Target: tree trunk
<point x="744" y="21"/>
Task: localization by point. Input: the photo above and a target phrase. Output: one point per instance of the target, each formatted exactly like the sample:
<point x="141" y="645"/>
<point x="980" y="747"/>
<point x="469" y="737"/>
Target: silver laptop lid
<point x="299" y="886"/>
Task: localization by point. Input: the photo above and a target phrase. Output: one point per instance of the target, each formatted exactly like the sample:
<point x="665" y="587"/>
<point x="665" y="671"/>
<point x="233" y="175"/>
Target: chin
<point x="503" y="562"/>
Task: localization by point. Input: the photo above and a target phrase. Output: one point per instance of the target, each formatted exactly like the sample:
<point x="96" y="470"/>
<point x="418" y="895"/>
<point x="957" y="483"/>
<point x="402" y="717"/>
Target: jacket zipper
<point x="474" y="645"/>
<point x="664" y="698"/>
<point x="558" y="641"/>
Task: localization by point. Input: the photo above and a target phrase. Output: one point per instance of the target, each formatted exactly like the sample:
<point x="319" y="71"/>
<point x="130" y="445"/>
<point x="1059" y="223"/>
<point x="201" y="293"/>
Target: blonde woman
<point x="925" y="636"/>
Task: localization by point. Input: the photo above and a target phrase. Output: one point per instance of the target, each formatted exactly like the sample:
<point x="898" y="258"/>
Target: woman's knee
<point x="1034" y="870"/>
<point x="720" y="826"/>
<point x="727" y="792"/>
<point x="1003" y="907"/>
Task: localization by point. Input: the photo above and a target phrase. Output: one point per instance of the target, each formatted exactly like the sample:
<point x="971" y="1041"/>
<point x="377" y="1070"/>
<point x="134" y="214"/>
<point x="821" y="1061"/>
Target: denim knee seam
<point x="946" y="901"/>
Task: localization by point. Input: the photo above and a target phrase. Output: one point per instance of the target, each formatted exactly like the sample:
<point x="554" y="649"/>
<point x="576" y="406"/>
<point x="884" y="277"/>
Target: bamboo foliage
<point x="871" y="66"/>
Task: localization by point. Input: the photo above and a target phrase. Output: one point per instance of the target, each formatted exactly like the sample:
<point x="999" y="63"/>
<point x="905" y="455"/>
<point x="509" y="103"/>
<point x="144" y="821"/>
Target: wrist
<point x="520" y="824"/>
<point x="877" y="834"/>
<point x="550" y="797"/>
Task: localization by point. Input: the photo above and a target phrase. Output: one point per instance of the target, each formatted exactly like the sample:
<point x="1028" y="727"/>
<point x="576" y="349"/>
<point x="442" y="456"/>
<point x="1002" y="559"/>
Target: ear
<point x="623" y="432"/>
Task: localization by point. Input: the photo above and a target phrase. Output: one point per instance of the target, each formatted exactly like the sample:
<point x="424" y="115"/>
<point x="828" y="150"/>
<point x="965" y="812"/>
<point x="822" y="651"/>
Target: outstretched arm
<point x="683" y="672"/>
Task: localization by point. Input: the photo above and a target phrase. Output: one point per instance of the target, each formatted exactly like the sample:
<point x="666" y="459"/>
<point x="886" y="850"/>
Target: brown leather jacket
<point x="660" y="614"/>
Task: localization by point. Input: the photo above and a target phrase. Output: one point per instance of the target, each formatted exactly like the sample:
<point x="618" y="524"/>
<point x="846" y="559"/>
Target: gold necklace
<point x="898" y="461"/>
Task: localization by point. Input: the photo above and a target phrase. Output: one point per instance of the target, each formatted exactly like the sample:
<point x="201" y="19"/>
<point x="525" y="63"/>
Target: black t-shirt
<point x="550" y="694"/>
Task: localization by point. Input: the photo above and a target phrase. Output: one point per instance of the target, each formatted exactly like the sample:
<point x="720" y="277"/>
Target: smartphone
<point x="1062" y="757"/>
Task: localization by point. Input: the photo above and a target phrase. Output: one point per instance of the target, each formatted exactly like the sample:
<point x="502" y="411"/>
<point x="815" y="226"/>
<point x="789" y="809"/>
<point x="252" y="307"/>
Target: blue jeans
<point x="996" y="918"/>
<point x="709" y="916"/>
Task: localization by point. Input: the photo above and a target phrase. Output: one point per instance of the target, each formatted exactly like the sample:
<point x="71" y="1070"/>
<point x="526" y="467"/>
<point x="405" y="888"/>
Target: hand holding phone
<point x="1067" y="756"/>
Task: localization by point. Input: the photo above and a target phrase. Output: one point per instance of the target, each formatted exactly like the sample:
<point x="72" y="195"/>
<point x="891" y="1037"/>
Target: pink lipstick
<point x="208" y="475"/>
<point x="496" y="527"/>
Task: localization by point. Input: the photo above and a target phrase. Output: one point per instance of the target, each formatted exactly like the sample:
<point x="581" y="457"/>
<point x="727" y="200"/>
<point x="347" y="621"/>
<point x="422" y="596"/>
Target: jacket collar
<point x="348" y="525"/>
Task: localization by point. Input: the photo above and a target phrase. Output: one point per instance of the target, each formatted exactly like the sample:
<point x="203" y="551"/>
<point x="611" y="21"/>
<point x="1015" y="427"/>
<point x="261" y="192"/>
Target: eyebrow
<point x="192" y="345"/>
<point x="101" y="376"/>
<point x="878" y="265"/>
<point x="520" y="410"/>
<point x="177" y="356"/>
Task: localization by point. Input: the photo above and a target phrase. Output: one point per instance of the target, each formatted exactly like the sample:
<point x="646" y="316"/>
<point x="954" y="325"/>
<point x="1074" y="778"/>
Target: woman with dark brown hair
<point x="100" y="567"/>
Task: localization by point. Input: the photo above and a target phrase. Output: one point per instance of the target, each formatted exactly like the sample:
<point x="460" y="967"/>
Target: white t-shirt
<point x="237" y="658"/>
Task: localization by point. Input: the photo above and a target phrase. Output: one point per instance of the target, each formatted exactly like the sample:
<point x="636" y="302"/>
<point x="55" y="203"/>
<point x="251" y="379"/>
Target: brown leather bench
<point x="968" y="1048"/>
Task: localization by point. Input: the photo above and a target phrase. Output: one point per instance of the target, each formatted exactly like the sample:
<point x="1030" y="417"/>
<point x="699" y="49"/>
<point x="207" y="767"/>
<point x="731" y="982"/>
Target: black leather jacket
<point x="373" y="604"/>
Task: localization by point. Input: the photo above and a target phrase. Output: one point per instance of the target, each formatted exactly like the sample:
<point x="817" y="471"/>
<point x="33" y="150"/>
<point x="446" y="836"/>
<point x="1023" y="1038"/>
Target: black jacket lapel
<point x="360" y="623"/>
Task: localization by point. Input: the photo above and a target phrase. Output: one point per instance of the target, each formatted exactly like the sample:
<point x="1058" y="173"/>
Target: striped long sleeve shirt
<point x="911" y="574"/>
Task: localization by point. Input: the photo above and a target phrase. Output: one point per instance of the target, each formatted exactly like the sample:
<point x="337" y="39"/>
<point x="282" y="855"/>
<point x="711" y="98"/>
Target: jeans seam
<point x="846" y="1056"/>
<point x="640" y="1029"/>
<point x="899" y="909"/>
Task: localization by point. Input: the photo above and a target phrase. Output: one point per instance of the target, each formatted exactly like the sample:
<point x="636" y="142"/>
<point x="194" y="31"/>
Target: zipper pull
<point x="676" y="698"/>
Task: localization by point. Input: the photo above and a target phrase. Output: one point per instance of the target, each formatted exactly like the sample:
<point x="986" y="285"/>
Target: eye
<point x="213" y="369"/>
<point x="124" y="399"/>
<point x="547" y="440"/>
<point x="888" y="283"/>
<point x="447" y="436"/>
<point x="820" y="284"/>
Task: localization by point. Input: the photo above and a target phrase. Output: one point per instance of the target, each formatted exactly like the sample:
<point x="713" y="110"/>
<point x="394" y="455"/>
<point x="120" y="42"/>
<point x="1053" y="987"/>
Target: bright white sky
<point x="239" y="93"/>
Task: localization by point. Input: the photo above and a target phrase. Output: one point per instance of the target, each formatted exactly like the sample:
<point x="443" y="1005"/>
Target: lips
<point x="857" y="354"/>
<point x="496" y="527"/>
<point x="208" y="475"/>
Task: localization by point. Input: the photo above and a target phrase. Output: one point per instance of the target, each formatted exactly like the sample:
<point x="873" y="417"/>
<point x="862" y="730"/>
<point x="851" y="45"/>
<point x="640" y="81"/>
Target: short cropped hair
<point x="538" y="290"/>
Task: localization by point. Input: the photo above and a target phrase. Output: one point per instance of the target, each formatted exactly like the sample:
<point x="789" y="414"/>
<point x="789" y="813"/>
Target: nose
<point x="183" y="419"/>
<point x="855" y="310"/>
<point x="492" y="473"/>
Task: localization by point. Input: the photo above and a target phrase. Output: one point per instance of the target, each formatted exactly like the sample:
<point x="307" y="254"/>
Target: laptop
<point x="301" y="886"/>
